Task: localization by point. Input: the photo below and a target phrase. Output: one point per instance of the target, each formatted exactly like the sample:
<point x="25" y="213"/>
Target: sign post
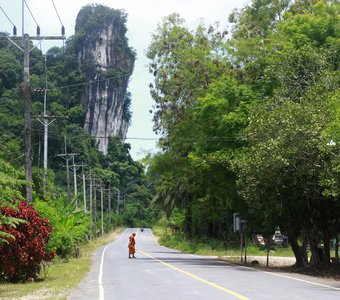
<point x="239" y="225"/>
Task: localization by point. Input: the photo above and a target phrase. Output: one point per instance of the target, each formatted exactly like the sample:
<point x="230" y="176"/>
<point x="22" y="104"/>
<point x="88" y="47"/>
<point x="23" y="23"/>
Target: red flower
<point x="21" y="257"/>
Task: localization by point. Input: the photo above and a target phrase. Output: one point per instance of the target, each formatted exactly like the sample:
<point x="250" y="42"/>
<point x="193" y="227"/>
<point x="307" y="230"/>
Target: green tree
<point x="175" y="52"/>
<point x="10" y="190"/>
<point x="283" y="170"/>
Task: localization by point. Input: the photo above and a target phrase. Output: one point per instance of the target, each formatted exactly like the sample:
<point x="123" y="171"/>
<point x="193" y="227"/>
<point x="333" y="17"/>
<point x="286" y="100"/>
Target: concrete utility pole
<point x="26" y="91"/>
<point x="95" y="187"/>
<point x="118" y="203"/>
<point x="123" y="193"/>
<point x="102" y="208"/>
<point x="67" y="156"/>
<point x="46" y="123"/>
<point x="108" y="190"/>
<point x="74" y="168"/>
<point x="44" y="120"/>
<point x="84" y="189"/>
<point x="83" y="177"/>
<point x="27" y="120"/>
<point x="91" y="205"/>
<point x="109" y="200"/>
<point x="95" y="211"/>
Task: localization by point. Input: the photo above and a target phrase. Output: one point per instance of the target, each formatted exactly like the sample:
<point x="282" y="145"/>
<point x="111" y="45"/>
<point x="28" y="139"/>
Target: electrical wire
<point x="7" y="16"/>
<point x="91" y="82"/>
<point x="55" y="8"/>
<point x="213" y="139"/>
<point x="30" y="12"/>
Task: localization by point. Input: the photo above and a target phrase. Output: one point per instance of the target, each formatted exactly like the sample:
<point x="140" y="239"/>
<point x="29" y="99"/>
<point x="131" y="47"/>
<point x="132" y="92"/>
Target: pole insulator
<point x="38" y="30"/>
<point x="62" y="30"/>
<point x="14" y="30"/>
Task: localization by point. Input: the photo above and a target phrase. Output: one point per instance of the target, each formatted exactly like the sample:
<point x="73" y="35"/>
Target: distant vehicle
<point x="279" y="238"/>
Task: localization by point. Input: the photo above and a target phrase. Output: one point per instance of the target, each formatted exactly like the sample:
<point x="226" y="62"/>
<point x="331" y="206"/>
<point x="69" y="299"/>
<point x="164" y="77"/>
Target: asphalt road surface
<point x="161" y="273"/>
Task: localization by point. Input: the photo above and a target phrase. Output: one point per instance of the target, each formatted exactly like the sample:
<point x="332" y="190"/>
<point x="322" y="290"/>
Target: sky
<point x="142" y="21"/>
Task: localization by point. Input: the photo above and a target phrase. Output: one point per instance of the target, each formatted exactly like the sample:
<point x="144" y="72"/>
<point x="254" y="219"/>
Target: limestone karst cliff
<point x="107" y="60"/>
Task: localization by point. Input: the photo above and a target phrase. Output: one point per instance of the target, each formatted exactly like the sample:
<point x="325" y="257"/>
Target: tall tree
<point x="286" y="186"/>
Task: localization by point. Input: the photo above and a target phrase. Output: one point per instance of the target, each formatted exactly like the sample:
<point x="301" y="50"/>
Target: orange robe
<point x="132" y="243"/>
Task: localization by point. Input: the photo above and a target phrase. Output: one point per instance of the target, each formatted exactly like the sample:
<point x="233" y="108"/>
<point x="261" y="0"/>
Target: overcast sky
<point x="143" y="17"/>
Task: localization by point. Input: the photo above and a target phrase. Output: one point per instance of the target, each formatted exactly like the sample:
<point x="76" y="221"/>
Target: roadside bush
<point x="71" y="225"/>
<point x="10" y="187"/>
<point x="26" y="249"/>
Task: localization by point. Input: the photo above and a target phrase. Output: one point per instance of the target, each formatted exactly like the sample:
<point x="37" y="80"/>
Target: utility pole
<point x="102" y="208"/>
<point x="44" y="120"/>
<point x="74" y="168"/>
<point x="109" y="219"/>
<point x="45" y="123"/>
<point x="108" y="190"/>
<point x="67" y="156"/>
<point x="84" y="187"/>
<point x="91" y="205"/>
<point x="27" y="120"/>
<point x="95" y="211"/>
<point x="26" y="91"/>
<point x="93" y="202"/>
<point x="95" y="186"/>
<point x="118" y="203"/>
<point x="83" y="178"/>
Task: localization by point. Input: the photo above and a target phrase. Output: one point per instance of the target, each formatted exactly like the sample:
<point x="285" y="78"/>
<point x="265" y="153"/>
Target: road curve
<point x="159" y="273"/>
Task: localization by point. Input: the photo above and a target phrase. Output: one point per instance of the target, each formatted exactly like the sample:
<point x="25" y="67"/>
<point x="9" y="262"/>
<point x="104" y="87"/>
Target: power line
<point x="31" y="13"/>
<point x="7" y="16"/>
<point x="62" y="26"/>
<point x="90" y="82"/>
<point x="55" y="8"/>
<point x="212" y="139"/>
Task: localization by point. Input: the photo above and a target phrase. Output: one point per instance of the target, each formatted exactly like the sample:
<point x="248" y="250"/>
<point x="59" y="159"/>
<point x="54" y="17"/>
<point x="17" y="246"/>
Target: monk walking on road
<point x="132" y="245"/>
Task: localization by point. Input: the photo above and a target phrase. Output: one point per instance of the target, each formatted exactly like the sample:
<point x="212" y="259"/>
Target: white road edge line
<point x="303" y="280"/>
<point x="100" y="277"/>
<point x="290" y="277"/>
<point x="271" y="273"/>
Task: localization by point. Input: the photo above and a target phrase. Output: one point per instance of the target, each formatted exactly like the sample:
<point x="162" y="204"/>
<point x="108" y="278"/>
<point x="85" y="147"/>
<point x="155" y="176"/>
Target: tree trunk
<point x="326" y="248"/>
<point x="268" y="245"/>
<point x="336" y="249"/>
<point x="188" y="221"/>
<point x="315" y="258"/>
<point x="297" y="251"/>
<point x="326" y="257"/>
<point x="305" y="240"/>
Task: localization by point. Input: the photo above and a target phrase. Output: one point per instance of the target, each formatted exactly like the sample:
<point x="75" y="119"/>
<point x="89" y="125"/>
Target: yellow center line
<point x="196" y="277"/>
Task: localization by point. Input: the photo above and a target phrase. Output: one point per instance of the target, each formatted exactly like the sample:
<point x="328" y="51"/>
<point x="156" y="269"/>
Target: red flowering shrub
<point x="20" y="258"/>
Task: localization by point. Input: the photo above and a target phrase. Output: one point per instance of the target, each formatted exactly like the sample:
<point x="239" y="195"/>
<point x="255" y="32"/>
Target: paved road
<point x="160" y="273"/>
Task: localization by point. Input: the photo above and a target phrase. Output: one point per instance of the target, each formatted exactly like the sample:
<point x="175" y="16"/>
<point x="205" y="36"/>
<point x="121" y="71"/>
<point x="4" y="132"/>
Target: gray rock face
<point x="108" y="62"/>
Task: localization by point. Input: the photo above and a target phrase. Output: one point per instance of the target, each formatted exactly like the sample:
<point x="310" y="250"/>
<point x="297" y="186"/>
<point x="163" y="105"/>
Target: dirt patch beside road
<point x="274" y="261"/>
<point x="286" y="265"/>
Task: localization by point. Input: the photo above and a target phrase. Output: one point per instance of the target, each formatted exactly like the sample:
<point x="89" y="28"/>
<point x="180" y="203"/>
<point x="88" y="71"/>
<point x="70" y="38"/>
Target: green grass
<point x="213" y="247"/>
<point x="59" y="278"/>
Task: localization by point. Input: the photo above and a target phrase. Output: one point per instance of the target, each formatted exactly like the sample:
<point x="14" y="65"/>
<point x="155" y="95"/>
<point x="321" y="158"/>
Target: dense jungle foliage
<point x="114" y="183"/>
<point x="249" y="122"/>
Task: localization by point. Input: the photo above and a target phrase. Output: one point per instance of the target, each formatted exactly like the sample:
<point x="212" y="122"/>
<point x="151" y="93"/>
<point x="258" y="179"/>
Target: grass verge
<point x="213" y="247"/>
<point x="58" y="278"/>
<point x="231" y="253"/>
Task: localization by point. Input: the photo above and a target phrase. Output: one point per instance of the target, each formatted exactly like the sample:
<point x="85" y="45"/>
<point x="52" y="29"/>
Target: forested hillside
<point x="84" y="192"/>
<point x="249" y="123"/>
